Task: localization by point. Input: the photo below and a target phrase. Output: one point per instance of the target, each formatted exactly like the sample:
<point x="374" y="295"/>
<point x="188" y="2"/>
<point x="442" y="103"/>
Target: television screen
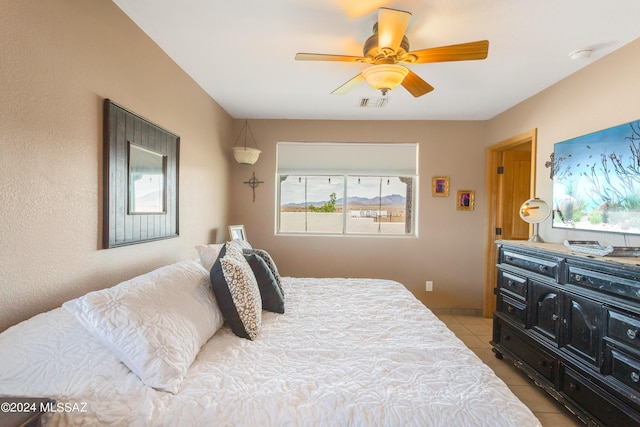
<point x="596" y="181"/>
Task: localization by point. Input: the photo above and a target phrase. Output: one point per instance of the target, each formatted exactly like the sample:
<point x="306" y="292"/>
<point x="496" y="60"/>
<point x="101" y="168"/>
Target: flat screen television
<point x="596" y="181"/>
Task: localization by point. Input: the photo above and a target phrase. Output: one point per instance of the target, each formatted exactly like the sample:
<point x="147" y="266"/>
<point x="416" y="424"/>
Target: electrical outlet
<point x="429" y="286"/>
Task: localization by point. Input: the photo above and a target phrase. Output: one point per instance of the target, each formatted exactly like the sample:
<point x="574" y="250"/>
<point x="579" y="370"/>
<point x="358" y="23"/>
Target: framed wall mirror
<point x="147" y="178"/>
<point x="140" y="183"/>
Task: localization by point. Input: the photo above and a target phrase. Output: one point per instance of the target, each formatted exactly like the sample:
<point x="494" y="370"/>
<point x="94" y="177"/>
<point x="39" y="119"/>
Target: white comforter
<point x="347" y="352"/>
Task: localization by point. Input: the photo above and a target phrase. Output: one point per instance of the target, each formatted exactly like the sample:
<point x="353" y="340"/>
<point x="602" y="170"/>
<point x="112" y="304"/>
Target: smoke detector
<point x="581" y="54"/>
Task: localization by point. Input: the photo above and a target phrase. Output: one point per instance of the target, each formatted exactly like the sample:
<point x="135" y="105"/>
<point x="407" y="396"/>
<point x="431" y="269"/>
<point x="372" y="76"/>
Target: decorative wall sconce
<point x="243" y="154"/>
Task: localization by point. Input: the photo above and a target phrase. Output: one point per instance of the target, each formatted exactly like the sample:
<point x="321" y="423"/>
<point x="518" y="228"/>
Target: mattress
<point x="346" y="352"/>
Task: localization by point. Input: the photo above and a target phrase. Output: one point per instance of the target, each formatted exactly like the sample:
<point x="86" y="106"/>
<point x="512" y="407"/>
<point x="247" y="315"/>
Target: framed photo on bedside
<point x="237" y="232"/>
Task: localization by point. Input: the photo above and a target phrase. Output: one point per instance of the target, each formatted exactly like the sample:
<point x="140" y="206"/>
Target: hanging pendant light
<point x="243" y="154"/>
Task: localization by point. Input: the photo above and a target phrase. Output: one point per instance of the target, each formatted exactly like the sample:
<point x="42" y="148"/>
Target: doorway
<point x="510" y="180"/>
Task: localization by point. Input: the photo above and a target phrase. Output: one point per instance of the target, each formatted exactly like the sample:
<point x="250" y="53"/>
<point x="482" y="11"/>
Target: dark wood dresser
<point x="572" y="323"/>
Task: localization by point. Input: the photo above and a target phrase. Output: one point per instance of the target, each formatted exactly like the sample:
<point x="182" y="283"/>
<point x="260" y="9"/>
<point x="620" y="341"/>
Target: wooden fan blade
<point x="328" y="57"/>
<point x="359" y="8"/>
<point x="455" y="52"/>
<point x="415" y="85"/>
<point x="392" y="24"/>
<point x="342" y="90"/>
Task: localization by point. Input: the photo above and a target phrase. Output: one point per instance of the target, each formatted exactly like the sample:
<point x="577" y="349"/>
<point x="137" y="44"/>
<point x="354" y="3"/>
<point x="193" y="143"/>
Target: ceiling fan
<point x="387" y="47"/>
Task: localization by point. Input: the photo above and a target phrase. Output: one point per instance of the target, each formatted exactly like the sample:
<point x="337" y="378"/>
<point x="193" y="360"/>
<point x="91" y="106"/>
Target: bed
<point x="345" y="352"/>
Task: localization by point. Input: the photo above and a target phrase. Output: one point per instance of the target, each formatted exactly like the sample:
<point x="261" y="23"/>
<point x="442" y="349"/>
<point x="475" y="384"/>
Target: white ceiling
<point x="242" y="52"/>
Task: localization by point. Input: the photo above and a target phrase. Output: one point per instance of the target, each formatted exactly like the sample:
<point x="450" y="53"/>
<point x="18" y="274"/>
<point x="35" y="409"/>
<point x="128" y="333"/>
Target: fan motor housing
<point x="384" y="56"/>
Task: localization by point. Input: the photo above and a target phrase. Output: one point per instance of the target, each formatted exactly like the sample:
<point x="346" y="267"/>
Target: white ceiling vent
<point x="373" y="102"/>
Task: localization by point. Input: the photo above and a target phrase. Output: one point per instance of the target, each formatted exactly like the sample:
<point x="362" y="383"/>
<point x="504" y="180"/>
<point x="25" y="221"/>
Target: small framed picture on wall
<point x="440" y="186"/>
<point x="465" y="200"/>
<point x="237" y="232"/>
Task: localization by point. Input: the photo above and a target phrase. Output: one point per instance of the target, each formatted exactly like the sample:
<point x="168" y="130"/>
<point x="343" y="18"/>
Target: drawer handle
<point x="511" y="283"/>
<point x="554" y="317"/>
<point x="579" y="278"/>
<point x="573" y="386"/>
<point x="635" y="377"/>
<point x="631" y="334"/>
<point x="542" y="268"/>
<point x="510" y="309"/>
<point x="508" y="258"/>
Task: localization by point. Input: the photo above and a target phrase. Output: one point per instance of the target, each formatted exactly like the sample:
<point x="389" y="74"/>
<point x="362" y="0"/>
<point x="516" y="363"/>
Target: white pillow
<point x="209" y="254"/>
<point x="154" y="323"/>
<point x="242" y="243"/>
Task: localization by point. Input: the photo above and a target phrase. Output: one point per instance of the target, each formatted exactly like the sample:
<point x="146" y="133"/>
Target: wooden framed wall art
<point x="466" y="200"/>
<point x="440" y="186"/>
<point x="140" y="182"/>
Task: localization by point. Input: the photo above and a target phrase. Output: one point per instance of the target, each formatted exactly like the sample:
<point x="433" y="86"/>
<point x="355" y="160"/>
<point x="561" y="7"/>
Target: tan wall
<point x="601" y="95"/>
<point x="58" y="60"/>
<point x="449" y="247"/>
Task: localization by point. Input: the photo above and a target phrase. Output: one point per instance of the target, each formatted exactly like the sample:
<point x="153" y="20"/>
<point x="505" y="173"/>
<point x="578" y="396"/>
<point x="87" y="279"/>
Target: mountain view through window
<point x="339" y="204"/>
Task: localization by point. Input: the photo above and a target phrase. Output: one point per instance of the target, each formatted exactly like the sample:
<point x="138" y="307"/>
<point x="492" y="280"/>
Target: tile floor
<point x="476" y="332"/>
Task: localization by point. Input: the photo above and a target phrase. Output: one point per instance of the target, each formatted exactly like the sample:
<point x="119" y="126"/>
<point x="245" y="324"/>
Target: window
<point x="339" y="188"/>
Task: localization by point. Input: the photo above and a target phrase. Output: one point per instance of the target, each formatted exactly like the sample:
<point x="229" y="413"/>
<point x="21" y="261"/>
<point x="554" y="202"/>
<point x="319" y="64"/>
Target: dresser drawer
<point x="513" y="309"/>
<point x="624" y="328"/>
<point x="625" y="368"/>
<point x="532" y="355"/>
<point x="511" y="283"/>
<point x="603" y="282"/>
<point x="600" y="404"/>
<point x="549" y="267"/>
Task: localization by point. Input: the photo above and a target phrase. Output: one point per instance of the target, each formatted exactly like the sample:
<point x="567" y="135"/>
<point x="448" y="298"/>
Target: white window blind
<point x="300" y="158"/>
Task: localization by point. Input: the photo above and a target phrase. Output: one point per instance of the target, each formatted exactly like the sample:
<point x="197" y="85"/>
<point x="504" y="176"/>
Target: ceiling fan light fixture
<point x="385" y="77"/>
<point x="387" y="47"/>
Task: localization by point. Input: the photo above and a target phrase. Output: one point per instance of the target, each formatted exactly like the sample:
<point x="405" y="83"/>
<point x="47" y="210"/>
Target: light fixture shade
<point x="246" y="155"/>
<point x="243" y="154"/>
<point x="385" y="76"/>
